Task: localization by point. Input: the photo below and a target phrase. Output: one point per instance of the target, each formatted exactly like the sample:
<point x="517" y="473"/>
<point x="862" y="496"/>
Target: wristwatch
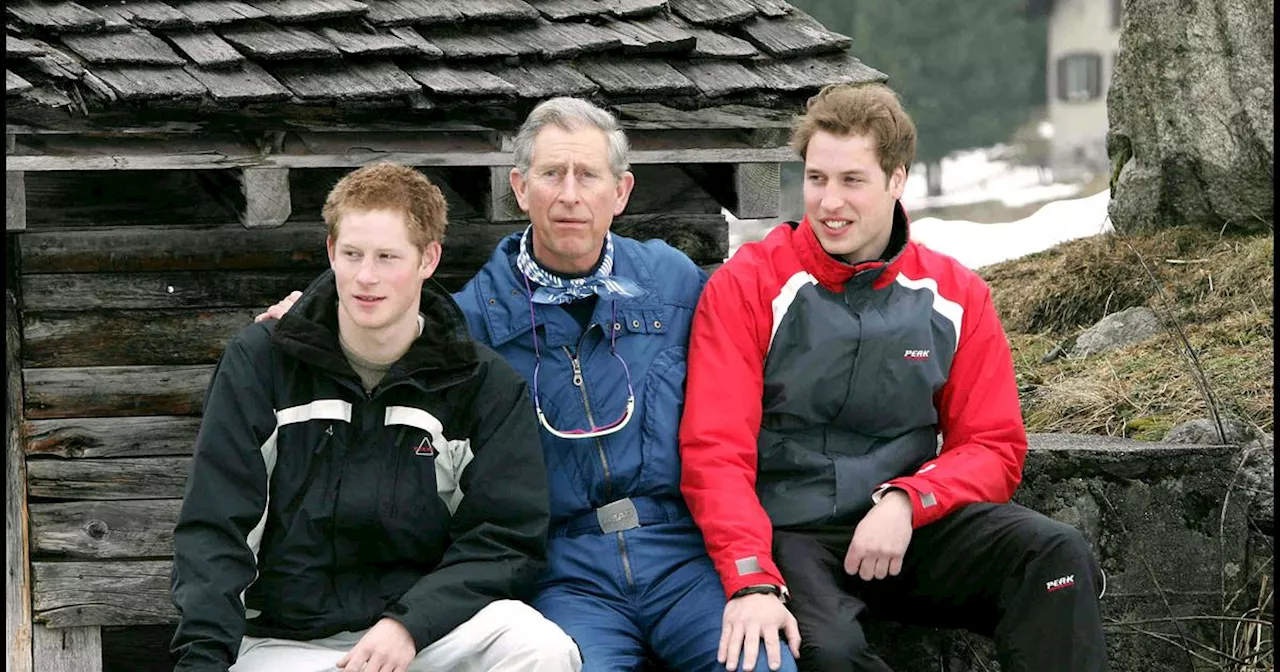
<point x="762" y="589"/>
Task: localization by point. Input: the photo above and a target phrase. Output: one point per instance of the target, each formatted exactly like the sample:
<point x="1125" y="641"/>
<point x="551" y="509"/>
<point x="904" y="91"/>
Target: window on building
<point x="1079" y="77"/>
<point x="1116" y="6"/>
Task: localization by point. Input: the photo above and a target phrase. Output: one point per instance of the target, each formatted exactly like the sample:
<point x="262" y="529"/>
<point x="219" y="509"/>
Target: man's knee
<point x="528" y="638"/>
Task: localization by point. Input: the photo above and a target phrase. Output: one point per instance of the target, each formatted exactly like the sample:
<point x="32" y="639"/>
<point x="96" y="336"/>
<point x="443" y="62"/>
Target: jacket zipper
<point x="586" y="404"/>
<point x="604" y="461"/>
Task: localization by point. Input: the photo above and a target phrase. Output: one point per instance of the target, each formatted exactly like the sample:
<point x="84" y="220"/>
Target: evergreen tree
<point x="969" y="73"/>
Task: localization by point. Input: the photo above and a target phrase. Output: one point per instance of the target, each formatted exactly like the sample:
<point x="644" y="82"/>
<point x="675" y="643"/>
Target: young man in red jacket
<point x="825" y="362"/>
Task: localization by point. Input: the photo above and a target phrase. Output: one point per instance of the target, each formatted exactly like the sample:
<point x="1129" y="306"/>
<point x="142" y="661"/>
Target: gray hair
<point x="572" y="114"/>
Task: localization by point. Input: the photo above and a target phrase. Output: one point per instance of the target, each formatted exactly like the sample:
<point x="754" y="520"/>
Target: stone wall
<point x="1172" y="552"/>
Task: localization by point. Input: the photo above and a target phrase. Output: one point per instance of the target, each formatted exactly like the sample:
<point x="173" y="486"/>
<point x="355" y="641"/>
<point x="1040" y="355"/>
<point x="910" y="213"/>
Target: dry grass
<point x="1219" y="289"/>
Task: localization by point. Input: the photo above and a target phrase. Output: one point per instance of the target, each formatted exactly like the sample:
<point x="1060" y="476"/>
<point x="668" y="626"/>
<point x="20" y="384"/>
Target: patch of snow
<point x="977" y="245"/>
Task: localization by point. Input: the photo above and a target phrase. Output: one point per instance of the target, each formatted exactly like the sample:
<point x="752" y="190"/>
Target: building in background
<point x="1084" y="39"/>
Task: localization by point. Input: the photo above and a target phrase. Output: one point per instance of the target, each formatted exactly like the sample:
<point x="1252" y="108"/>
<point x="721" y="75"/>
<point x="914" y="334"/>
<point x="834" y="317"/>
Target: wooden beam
<point x="114" y="391"/>
<point x="111" y="592"/>
<point x="757" y="188"/>
<point x="68" y="649"/>
<point x="17" y="585"/>
<point x="117" y="478"/>
<point x="501" y="204"/>
<point x="97" y="530"/>
<point x="122" y="478"/>
<point x="266" y="197"/>
<point x="177" y="289"/>
<point x="114" y="338"/>
<point x="142" y="436"/>
<point x="249" y="159"/>
<point x="15" y="201"/>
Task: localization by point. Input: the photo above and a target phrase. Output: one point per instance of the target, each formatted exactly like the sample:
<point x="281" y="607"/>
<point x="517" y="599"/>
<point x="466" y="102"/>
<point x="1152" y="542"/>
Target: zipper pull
<point x="577" y="371"/>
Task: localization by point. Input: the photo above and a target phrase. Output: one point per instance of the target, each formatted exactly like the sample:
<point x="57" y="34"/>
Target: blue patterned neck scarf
<point x="553" y="289"/>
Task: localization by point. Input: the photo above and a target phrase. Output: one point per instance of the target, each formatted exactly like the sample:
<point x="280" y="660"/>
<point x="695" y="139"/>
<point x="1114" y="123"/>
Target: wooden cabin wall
<point x="129" y="284"/>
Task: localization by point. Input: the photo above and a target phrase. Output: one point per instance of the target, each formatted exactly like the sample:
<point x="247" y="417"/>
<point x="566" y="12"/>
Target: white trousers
<point x="506" y="635"/>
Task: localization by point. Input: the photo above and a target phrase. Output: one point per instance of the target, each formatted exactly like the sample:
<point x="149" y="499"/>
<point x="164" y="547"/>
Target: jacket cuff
<point x="765" y="573"/>
<point x="924" y="506"/>
<point x="418" y="624"/>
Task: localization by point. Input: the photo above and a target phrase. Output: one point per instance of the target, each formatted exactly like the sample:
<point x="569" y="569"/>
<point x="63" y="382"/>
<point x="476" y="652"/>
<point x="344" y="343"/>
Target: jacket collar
<point x="833" y="273"/>
<point x="445" y="350"/>
<point x="504" y="297"/>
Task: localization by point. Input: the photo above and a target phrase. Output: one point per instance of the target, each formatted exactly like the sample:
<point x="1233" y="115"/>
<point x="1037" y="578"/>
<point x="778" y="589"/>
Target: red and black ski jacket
<point x="814" y="385"/>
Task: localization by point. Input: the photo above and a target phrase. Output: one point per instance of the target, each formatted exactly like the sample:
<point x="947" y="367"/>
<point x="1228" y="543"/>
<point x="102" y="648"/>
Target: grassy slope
<point x="1218" y="288"/>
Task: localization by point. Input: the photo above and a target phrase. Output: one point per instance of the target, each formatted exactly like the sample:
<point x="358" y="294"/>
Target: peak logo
<point x="1060" y="583"/>
<point x="916" y="355"/>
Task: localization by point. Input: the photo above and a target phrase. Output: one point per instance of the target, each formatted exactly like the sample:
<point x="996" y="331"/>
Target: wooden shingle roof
<point x="88" y="56"/>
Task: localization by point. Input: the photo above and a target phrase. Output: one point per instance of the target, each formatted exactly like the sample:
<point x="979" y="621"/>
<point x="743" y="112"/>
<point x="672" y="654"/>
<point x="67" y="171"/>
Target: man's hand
<point x="881" y="539"/>
<point x="386" y="647"/>
<point x="746" y="620"/>
<point x="277" y="311"/>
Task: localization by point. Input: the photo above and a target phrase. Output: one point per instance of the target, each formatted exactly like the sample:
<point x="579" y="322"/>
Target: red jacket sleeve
<point x="719" y="428"/>
<point x="984" y="442"/>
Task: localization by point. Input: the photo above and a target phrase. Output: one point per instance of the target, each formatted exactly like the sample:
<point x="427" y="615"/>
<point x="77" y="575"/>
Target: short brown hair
<point x="872" y="109"/>
<point x="390" y="186"/>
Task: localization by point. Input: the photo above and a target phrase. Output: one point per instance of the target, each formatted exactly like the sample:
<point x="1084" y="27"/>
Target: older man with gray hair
<point x="598" y="324"/>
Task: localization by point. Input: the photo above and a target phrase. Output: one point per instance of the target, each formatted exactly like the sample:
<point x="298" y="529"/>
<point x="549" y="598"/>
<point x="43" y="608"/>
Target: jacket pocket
<point x="663" y="406"/>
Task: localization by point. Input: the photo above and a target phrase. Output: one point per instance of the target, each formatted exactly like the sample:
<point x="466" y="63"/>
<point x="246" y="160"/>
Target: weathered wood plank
<point x="815" y="72"/>
<point x="142" y="436"/>
<point x="117" y="390"/>
<point x="145" y="13"/>
<point x="266" y="197"/>
<point x="560" y="10"/>
<point x="96" y="530"/>
<point x="712" y="44"/>
<point x="795" y="34"/>
<point x="265" y="41"/>
<point x="409" y="12"/>
<point x="553" y="41"/>
<point x="299" y="11"/>
<point x="295" y="247"/>
<point x="351" y="38"/>
<point x="344" y="80"/>
<point x="496" y="10"/>
<point x="653" y="35"/>
<point x="67" y="649"/>
<point x="75" y="199"/>
<point x="178" y="289"/>
<point x="633" y="8"/>
<point x="460" y="80"/>
<point x="716" y="78"/>
<point x="113" y="479"/>
<point x="113" y="338"/>
<point x="69" y="594"/>
<point x="206" y="49"/>
<point x="713" y="12"/>
<point x="15" y="201"/>
<point x="242" y="83"/>
<point x="217" y="12"/>
<point x="637" y="76"/>
<point x="15" y="84"/>
<point x="57" y="17"/>
<point x="135" y="46"/>
<point x="17" y="584"/>
<point x="622" y="77"/>
<point x="129" y="82"/>
<point x="758" y="188"/>
<point x="545" y="80"/>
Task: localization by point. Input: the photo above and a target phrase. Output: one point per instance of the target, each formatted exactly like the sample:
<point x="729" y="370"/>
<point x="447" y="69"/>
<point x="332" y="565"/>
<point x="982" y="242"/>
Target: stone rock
<point x="1203" y="431"/>
<point x="1154" y="515"/>
<point x="1190" y="109"/>
<point x="1117" y="330"/>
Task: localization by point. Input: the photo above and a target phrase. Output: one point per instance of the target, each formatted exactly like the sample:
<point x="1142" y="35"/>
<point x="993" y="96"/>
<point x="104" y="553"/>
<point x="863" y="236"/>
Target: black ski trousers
<point x="1000" y="570"/>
